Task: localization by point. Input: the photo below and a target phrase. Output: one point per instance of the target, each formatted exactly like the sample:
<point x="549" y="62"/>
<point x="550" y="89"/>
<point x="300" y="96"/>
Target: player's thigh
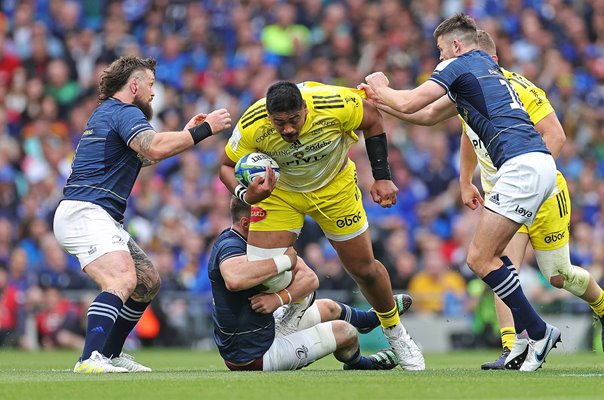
<point x="88" y="232"/>
<point x="282" y="211"/>
<point x="338" y="207"/>
<point x="551" y="229"/>
<point x="300" y="349"/>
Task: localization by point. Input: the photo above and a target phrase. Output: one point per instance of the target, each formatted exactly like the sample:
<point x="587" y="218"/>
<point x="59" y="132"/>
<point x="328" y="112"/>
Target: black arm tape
<point x="200" y="132"/>
<point x="377" y="150"/>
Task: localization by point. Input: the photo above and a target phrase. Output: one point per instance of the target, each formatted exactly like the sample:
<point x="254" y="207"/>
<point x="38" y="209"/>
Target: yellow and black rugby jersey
<point x="536" y="105"/>
<point x="313" y="160"/>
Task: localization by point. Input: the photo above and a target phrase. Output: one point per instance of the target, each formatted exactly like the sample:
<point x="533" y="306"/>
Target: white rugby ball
<point x="252" y="165"/>
<point x="277" y="282"/>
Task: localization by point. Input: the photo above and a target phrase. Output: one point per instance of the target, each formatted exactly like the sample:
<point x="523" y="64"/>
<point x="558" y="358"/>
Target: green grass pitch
<point x="187" y="374"/>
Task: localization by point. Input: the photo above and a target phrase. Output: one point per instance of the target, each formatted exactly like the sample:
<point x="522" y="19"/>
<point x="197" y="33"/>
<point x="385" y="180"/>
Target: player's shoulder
<point x="331" y="99"/>
<point x="517" y="78"/>
<point x="254" y="117"/>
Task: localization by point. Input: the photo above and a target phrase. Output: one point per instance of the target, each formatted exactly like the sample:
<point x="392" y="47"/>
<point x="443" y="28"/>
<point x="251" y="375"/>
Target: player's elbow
<point x="233" y="284"/>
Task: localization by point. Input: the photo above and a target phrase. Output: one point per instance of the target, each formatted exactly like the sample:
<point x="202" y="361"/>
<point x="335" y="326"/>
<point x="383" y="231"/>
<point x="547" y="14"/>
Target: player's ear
<point x="244" y="222"/>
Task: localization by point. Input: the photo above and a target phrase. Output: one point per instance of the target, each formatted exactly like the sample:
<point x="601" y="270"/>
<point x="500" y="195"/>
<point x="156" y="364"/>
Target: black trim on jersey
<point x="327" y="97"/>
<point x="254" y="120"/>
<point x="518" y="81"/>
<point x="562" y="205"/>
<point x="252" y="112"/>
<point x="339" y="101"/>
<point x="325" y="107"/>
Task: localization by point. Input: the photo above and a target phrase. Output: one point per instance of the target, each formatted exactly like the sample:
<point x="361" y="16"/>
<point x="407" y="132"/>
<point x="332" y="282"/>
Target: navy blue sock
<point x="358" y="361"/>
<point x="102" y="314"/>
<point x="129" y="315"/>
<point x="504" y="282"/>
<point x="365" y="321"/>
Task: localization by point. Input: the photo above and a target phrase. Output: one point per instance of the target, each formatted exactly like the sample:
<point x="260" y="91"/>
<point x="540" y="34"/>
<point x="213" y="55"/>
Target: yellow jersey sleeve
<point x="533" y="98"/>
<point x="321" y="150"/>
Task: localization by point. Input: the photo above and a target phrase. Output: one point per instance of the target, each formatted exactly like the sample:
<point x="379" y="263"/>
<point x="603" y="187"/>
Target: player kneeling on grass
<point x="247" y="334"/>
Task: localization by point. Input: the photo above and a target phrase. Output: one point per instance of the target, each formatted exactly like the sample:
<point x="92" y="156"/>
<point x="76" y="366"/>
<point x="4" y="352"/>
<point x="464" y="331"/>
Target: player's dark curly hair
<point x="117" y="74"/>
<point x="461" y="24"/>
<point x="283" y="97"/>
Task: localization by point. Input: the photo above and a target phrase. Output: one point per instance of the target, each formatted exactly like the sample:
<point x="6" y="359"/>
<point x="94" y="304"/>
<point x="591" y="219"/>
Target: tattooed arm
<point x="146" y="162"/>
<point x="155" y="146"/>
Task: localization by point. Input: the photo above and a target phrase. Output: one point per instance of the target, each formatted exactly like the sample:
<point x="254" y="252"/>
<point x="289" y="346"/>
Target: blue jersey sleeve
<point x="129" y="122"/>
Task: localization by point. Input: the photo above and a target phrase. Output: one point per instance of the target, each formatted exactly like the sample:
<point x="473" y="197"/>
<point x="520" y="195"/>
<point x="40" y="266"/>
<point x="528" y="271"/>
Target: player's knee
<point x="345" y="334"/>
<point x="575" y="280"/>
<point x="366" y="273"/>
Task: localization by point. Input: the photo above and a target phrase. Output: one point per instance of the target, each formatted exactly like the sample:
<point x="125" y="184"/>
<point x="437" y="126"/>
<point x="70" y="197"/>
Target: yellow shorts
<point x="551" y="229"/>
<point x="337" y="207"/>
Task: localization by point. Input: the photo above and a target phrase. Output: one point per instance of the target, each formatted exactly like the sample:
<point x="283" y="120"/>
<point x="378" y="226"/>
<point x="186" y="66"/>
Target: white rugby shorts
<point x="299" y="349"/>
<point x="87" y="232"/>
<point x="522" y="184"/>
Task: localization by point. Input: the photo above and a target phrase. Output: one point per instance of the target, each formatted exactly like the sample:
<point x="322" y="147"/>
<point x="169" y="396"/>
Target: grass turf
<point x="185" y="374"/>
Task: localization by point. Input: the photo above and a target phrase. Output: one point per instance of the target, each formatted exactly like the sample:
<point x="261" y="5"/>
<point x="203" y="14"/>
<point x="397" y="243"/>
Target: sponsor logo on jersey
<point x="348" y="220"/>
<point x="349" y="99"/>
<point x="257" y="214"/>
<point x="494" y="198"/>
<point x="296" y="144"/>
<point x="554" y="237"/>
<point x="302" y="352"/>
<point x="317" y="146"/>
<point x="324" y="123"/>
<point x="266" y="134"/>
<point x="87" y="132"/>
<point x="301" y="160"/>
<point x="523" y="212"/>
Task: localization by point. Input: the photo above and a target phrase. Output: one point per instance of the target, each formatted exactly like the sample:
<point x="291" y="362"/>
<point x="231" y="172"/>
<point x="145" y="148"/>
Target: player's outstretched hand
<point x="261" y="187"/>
<point x="470" y="195"/>
<point x="377" y="80"/>
<point x="384" y="193"/>
<point x="219" y="120"/>
<point x="196" y="120"/>
<point x="372" y="96"/>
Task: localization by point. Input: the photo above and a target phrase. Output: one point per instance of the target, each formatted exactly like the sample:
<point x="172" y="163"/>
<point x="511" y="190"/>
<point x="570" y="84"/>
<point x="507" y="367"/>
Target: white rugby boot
<point x="539" y="349"/>
<point x="409" y="355"/>
<point x="518" y="352"/>
<point x="286" y="322"/>
<point x="96" y="364"/>
<point x="127" y="361"/>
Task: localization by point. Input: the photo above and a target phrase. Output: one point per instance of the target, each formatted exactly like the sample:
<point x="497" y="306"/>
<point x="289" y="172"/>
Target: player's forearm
<point x="240" y="274"/>
<point x="397" y="100"/>
<point x="226" y="173"/>
<point x="467" y="161"/>
<point x="304" y="283"/>
<point x="421" y="117"/>
<point x="553" y="133"/>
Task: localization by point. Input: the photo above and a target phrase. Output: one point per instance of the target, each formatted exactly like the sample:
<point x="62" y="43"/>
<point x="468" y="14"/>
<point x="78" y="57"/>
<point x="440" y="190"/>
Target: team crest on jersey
<point x="302" y="352"/>
<point x="257" y="214"/>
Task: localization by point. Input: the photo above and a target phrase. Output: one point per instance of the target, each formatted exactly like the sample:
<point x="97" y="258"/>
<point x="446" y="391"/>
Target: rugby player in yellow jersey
<point x="549" y="234"/>
<point x="308" y="130"/>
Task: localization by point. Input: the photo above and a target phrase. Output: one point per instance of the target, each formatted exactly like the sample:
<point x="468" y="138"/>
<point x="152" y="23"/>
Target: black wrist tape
<point x="200" y="132"/>
<point x="377" y="150"/>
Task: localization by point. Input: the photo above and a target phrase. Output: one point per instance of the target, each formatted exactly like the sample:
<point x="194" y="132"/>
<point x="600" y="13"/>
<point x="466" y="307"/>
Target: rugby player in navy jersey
<point x="117" y="142"/>
<point x="526" y="171"/>
<point x="247" y="334"/>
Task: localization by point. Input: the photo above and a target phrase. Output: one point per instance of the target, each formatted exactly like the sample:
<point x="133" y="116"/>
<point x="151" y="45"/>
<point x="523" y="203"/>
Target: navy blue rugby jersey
<point x="487" y="102"/>
<point x="241" y="333"/>
<point x="105" y="168"/>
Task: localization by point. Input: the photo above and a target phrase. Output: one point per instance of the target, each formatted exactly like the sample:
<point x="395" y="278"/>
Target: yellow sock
<point x="598" y="305"/>
<point x="508" y="337"/>
<point x="389" y="318"/>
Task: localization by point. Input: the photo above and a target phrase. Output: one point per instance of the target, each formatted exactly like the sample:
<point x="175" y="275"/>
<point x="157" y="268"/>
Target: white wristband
<point x="283" y="263"/>
<point x="240" y="192"/>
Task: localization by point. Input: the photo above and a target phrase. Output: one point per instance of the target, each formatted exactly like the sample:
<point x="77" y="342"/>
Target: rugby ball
<point x="252" y="165"/>
<point x="277" y="282"/>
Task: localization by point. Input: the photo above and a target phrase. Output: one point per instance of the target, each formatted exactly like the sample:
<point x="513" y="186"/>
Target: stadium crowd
<point x="225" y="53"/>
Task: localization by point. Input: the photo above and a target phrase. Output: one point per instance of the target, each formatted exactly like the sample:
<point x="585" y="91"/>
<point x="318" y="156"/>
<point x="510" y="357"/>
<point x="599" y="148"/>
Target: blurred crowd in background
<point x="225" y="53"/>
